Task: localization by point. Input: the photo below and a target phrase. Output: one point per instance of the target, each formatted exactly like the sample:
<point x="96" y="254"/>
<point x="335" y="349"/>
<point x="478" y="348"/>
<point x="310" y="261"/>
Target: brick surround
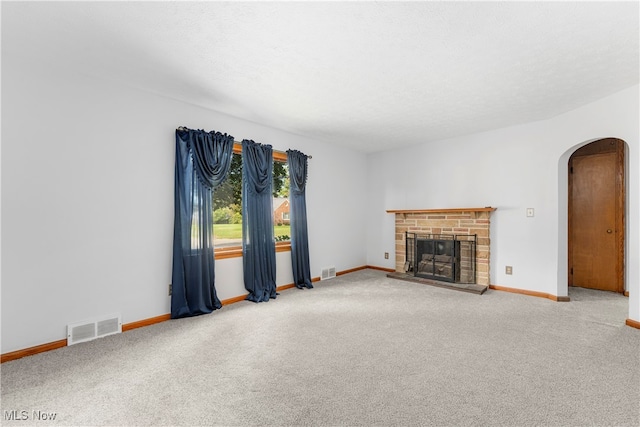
<point x="446" y="221"/>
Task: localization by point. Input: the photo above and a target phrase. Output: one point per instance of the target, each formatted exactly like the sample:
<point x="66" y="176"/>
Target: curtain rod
<point x="236" y="142"/>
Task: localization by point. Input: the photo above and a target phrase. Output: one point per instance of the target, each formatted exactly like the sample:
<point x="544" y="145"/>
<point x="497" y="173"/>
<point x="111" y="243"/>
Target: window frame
<point x="236" y="251"/>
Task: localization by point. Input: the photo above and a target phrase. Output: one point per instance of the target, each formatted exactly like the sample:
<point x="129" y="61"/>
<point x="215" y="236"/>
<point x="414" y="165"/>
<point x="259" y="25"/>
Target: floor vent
<point x="92" y="329"/>
<point x="328" y="273"/>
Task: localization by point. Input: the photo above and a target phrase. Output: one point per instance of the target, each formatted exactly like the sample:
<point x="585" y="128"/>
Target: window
<point x="282" y="228"/>
<point x="227" y="207"/>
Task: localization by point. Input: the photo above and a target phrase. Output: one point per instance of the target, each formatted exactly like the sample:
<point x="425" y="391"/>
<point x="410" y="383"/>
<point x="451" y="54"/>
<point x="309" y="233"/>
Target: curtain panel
<point x="202" y="163"/>
<point x="297" y="162"/>
<point x="258" y="243"/>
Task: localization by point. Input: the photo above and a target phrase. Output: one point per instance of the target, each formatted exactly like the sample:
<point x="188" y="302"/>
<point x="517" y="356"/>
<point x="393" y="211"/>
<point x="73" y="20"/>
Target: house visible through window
<point x="227" y="204"/>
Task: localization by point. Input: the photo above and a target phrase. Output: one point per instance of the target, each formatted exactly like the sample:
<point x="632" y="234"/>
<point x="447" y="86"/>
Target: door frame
<point x="602" y="146"/>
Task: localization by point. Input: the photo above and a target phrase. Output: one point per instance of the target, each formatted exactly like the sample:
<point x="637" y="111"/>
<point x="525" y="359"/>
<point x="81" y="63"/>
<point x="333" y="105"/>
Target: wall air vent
<point x="92" y="329"/>
<point x="328" y="273"/>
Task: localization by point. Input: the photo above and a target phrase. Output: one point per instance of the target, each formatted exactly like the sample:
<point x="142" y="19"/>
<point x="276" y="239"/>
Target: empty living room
<point x="320" y="213"/>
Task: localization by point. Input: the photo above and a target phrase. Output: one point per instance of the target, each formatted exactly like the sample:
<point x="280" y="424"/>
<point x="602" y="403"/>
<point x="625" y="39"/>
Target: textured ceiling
<point x="370" y="75"/>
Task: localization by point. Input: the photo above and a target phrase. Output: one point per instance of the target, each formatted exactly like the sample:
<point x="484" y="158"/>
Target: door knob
<point x="609" y="231"/>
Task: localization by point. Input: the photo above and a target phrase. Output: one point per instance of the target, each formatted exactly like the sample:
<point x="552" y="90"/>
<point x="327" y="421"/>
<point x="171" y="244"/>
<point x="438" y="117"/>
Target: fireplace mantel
<point x="443" y="210"/>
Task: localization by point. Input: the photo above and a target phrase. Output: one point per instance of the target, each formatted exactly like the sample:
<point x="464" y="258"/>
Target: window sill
<point x="236" y="251"/>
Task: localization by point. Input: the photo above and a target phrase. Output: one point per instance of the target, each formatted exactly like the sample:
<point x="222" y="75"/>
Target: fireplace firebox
<point x="442" y="257"/>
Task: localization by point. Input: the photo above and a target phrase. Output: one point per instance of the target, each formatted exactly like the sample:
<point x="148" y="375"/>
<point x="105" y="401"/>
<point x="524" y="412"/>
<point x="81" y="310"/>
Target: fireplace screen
<point x="449" y="258"/>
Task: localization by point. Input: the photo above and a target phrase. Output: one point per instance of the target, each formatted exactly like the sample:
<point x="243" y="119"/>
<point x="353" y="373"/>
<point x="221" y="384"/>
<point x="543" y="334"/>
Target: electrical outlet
<point x="170" y="289"/>
<point x="508" y="269"/>
<point x="386" y="255"/>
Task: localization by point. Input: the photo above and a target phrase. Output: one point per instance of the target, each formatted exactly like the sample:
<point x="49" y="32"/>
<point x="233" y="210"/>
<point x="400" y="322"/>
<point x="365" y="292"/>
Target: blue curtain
<point x="202" y="163"/>
<point x="258" y="243"/>
<point x="297" y="162"/>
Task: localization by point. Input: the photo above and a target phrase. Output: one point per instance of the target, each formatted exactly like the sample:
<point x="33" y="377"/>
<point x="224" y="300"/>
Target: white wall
<point x="512" y="169"/>
<point x="87" y="201"/>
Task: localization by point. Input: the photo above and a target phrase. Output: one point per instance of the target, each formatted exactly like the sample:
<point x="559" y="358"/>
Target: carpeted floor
<point x="361" y="349"/>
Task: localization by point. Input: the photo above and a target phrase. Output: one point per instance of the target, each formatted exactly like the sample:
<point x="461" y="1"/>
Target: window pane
<point x="281" y="225"/>
<point x="227" y="207"/>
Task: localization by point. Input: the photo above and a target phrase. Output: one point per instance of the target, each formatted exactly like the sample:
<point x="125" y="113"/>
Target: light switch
<point x="529" y="211"/>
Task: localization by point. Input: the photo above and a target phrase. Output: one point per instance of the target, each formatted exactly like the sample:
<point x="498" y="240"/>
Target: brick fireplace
<point x="460" y="221"/>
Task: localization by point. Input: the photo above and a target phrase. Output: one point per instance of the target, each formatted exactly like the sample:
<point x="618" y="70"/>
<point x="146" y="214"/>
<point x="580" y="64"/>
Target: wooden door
<point x="596" y="219"/>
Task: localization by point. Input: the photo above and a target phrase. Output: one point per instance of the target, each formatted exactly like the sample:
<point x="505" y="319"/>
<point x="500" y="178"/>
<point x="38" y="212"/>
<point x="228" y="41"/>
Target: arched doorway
<point x="596" y="223"/>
